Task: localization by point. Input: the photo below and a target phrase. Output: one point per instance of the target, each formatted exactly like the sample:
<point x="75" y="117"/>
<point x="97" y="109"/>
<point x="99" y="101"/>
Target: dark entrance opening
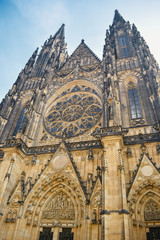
<point x="154" y="234"/>
<point x="46" y="234"/>
<point x="66" y="234"/>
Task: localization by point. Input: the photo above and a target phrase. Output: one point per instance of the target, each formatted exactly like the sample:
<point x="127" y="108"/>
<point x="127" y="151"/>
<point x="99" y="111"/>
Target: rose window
<point x="73" y="114"/>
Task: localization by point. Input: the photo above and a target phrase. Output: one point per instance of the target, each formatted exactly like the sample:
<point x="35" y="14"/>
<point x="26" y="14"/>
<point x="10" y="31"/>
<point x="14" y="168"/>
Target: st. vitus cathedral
<point x="80" y="151"/>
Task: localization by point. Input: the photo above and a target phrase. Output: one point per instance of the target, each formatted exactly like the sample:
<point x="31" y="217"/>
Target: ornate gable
<point x="82" y="56"/>
<point x="96" y="198"/>
<point x="145" y="185"/>
<point x="146" y="173"/>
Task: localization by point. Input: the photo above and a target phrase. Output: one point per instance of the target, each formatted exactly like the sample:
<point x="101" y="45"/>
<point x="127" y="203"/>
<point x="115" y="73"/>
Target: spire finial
<point x="118" y="17"/>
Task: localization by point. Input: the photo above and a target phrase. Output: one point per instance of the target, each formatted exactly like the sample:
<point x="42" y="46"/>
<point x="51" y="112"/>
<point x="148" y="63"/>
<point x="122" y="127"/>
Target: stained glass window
<point x="20" y="122"/>
<point x="125" y="52"/>
<point x="124" y="48"/>
<point x="134" y="102"/>
<point x="122" y="40"/>
<point x="73" y="113"/>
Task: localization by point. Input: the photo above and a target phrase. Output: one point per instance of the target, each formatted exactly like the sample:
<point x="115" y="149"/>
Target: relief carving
<point x="97" y="200"/>
<point x="60" y="207"/>
<point x="11" y="216"/>
<point x="151" y="211"/>
<point x="16" y="199"/>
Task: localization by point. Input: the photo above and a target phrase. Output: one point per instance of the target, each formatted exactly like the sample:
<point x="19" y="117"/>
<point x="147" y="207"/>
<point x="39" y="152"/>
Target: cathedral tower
<point x="79" y="142"/>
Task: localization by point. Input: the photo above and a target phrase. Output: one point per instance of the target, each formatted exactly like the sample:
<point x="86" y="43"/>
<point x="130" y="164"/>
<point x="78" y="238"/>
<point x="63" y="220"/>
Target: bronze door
<point x="46" y="234"/>
<point x="154" y="234"/>
<point x="66" y="234"/>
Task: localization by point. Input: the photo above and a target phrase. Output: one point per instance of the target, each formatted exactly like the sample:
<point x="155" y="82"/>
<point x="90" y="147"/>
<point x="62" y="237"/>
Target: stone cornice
<point x="83" y="145"/>
<point x="18" y="143"/>
<point x="141" y="138"/>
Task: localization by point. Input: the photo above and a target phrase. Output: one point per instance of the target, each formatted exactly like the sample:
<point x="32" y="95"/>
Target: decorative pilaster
<point x="114" y="207"/>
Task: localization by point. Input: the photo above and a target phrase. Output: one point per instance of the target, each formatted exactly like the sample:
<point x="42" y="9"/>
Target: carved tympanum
<point x="60" y="207"/>
<point x="151" y="211"/>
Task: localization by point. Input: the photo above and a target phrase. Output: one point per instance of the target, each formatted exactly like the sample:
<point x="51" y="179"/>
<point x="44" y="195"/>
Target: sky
<point x="26" y="24"/>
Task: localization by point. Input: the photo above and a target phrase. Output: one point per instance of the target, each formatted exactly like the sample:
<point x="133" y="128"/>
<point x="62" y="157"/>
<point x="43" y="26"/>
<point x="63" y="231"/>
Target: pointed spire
<point x="59" y="34"/>
<point x="30" y="63"/>
<point x="117" y="18"/>
<point x="56" y="48"/>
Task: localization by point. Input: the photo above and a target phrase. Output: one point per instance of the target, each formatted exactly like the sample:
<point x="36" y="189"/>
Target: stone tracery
<point x="74" y="112"/>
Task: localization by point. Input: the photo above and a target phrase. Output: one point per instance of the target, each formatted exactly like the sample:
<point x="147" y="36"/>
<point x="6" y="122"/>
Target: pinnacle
<point x="60" y="31"/>
<point x="117" y="18"/>
<point x="35" y="52"/>
<point x="59" y="34"/>
<point x="31" y="61"/>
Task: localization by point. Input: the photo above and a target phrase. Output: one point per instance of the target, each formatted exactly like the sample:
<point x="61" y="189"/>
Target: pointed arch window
<point x="122" y="41"/>
<point x="134" y="101"/>
<point x="21" y="121"/>
<point x="124" y="48"/>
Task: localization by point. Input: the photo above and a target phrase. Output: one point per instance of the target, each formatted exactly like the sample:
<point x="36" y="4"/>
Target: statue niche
<point x="60" y="208"/>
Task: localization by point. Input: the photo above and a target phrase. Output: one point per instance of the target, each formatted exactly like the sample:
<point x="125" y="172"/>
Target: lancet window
<point x="134" y="101"/>
<point x="21" y="122"/>
<point x="124" y="48"/>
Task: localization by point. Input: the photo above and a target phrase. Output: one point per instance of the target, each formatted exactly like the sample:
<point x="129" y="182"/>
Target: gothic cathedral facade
<point x="79" y="142"/>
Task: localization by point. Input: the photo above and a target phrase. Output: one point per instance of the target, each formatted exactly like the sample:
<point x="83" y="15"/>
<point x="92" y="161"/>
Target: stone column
<point x="55" y="231"/>
<point x="115" y="216"/>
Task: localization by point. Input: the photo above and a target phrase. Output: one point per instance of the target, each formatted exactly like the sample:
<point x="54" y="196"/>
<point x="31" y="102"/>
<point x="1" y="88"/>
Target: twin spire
<point x="53" y="42"/>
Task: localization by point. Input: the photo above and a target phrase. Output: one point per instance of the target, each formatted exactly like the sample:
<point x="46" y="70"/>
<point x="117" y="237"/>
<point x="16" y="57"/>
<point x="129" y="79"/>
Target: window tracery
<point x="124" y="48"/>
<point x="134" y="101"/>
<point x="21" y="121"/>
<point x="74" y="112"/>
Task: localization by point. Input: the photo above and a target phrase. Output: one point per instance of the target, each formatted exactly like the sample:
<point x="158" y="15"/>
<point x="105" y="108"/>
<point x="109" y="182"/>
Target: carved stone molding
<point x="151" y="211"/>
<point x="59" y="208"/>
<point x="85" y="145"/>
<point x="11" y="216"/>
<point x="131" y="140"/>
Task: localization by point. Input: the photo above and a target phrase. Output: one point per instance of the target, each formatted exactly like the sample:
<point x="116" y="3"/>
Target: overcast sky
<point x="26" y="24"/>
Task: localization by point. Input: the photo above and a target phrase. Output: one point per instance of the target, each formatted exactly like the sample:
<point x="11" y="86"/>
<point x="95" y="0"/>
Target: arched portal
<point x="58" y="213"/>
<point x="152" y="219"/>
<point x="56" y="210"/>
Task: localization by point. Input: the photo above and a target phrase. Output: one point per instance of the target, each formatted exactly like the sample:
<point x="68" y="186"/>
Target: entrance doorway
<point x="154" y="234"/>
<point x="46" y="234"/>
<point x="66" y="234"/>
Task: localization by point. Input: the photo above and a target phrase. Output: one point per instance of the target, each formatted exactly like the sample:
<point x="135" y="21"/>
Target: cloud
<point x="44" y="15"/>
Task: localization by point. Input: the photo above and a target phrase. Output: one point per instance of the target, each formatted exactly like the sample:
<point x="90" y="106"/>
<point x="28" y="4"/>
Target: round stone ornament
<point x="147" y="171"/>
<point x="60" y="162"/>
